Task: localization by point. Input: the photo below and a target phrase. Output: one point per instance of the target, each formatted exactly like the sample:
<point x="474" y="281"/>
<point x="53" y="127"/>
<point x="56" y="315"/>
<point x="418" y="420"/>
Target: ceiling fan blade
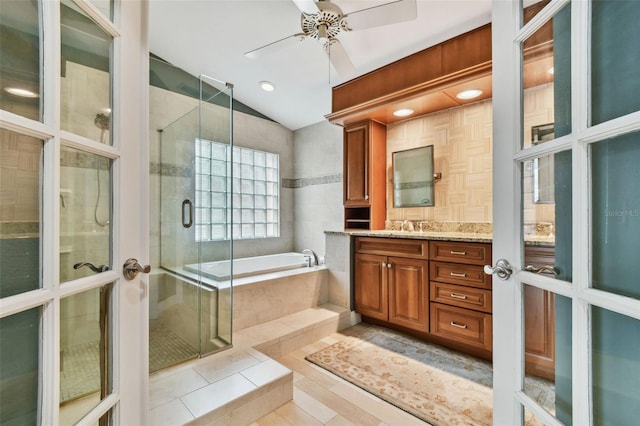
<point x="306" y="6"/>
<point x="339" y="58"/>
<point x="275" y="46"/>
<point x="388" y="13"/>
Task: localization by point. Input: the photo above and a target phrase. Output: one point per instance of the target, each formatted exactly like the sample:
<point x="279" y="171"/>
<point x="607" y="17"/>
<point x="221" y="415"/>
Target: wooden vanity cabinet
<point x="365" y="170"/>
<point x="391" y="281"/>
<point x="460" y="293"/>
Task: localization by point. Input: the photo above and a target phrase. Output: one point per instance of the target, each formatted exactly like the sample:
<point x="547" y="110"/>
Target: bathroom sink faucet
<point x="407" y="226"/>
<point x="312" y="259"/>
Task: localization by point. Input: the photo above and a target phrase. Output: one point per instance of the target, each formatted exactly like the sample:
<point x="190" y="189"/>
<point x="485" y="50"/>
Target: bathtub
<point x="248" y="266"/>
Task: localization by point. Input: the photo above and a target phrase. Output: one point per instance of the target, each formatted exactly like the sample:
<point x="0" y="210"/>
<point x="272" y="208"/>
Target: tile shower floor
<point x="166" y="348"/>
<point x="80" y="372"/>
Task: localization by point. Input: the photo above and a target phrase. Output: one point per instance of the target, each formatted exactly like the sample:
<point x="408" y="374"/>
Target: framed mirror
<point x="413" y="177"/>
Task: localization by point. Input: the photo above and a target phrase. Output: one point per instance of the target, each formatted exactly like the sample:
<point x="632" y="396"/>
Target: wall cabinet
<point x="392" y="281"/>
<point x="365" y="170"/>
<point x="460" y="293"/>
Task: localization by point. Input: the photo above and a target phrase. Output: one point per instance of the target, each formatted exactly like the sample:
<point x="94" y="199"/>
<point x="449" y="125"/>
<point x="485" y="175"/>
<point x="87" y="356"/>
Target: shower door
<point x="190" y="315"/>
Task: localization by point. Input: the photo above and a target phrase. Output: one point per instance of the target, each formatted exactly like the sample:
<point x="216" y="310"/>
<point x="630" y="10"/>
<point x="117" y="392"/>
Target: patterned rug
<point x="435" y="384"/>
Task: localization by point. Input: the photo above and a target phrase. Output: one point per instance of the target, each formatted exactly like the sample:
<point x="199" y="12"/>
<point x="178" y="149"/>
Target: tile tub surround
<point x="263" y="298"/>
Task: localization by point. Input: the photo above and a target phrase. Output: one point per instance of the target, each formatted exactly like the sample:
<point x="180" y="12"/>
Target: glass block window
<point x="236" y="195"/>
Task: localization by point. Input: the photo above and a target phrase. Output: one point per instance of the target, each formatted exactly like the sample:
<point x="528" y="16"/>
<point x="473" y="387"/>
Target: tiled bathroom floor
<point x="321" y="398"/>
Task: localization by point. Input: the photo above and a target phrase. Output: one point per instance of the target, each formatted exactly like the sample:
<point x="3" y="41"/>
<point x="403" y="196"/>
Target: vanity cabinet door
<point x="408" y="293"/>
<point x="371" y="293"/>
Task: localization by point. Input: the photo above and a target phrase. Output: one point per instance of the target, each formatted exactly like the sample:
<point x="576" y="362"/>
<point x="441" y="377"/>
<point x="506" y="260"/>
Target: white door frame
<point x="131" y="179"/>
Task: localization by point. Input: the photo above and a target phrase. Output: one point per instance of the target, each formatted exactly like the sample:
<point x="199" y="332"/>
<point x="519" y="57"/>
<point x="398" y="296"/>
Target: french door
<point x="566" y="212"/>
<point x="74" y="209"/>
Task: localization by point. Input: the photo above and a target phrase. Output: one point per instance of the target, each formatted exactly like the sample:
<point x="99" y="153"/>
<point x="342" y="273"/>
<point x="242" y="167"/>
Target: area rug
<point x="438" y="385"/>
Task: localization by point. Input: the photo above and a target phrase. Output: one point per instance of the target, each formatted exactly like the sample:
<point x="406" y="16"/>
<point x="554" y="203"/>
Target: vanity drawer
<point x="462" y="325"/>
<point x="402" y="247"/>
<point x="461" y="252"/>
<point x="464" y="297"/>
<point x="456" y="273"/>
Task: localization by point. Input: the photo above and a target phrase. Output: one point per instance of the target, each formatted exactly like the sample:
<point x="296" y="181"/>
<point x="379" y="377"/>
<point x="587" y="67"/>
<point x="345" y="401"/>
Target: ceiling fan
<point x="324" y="21"/>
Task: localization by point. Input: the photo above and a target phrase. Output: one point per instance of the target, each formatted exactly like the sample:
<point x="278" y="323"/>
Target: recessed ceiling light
<point x="469" y="94"/>
<point x="23" y="93"/>
<point x="403" y="112"/>
<point x="267" y="86"/>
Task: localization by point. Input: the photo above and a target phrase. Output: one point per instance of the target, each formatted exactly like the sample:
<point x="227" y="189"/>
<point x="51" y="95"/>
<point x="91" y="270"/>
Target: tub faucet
<point x="312" y="259"/>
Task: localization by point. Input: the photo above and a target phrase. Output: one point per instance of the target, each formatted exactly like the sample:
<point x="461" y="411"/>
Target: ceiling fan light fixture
<point x="469" y="94"/>
<point x="403" y="112"/>
<point x="267" y="86"/>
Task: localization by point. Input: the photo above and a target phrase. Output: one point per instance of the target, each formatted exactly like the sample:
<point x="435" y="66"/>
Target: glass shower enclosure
<point x="189" y="314"/>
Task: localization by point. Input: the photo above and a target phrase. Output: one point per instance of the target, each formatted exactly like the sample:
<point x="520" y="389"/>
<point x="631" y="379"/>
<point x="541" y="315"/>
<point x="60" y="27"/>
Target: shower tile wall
<point x="84" y="91"/>
<point x="317" y="185"/>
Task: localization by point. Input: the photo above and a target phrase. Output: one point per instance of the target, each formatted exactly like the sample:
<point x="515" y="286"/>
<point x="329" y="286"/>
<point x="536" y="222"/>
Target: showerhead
<point x="102" y="121"/>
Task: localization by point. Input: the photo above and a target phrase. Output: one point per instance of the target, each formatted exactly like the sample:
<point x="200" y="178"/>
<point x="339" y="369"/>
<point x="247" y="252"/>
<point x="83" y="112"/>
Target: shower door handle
<point x="187" y="213"/>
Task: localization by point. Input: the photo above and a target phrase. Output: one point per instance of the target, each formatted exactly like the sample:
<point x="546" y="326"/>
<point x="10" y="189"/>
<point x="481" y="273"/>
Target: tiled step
<point x="242" y="384"/>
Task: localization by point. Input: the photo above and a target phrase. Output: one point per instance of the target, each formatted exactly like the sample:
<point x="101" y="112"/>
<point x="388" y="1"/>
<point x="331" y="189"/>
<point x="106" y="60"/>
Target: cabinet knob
<point x="389" y="265"/>
<point x="384" y="265"/>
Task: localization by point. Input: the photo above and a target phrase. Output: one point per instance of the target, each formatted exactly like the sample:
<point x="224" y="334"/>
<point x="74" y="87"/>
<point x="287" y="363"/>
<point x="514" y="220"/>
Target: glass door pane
<point x="616" y="368"/>
<point x="20" y="205"/>
<point x="615" y="59"/>
<point x="20" y="46"/>
<point x="20" y="367"/>
<point x="615" y="226"/>
<point x="85" y="352"/>
<point x="85" y="78"/>
<point x="548" y="350"/>
<point x="85" y="214"/>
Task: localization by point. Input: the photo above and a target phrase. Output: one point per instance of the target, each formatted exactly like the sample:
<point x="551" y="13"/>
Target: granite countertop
<point x="425" y="235"/>
<point x="470" y="237"/>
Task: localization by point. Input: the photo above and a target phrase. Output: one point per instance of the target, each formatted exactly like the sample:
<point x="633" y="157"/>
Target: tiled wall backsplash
<point x="462" y="140"/>
<point x="462" y="153"/>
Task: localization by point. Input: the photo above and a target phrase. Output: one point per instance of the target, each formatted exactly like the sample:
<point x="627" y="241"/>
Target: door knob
<point x="131" y="268"/>
<point x="502" y="269"/>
